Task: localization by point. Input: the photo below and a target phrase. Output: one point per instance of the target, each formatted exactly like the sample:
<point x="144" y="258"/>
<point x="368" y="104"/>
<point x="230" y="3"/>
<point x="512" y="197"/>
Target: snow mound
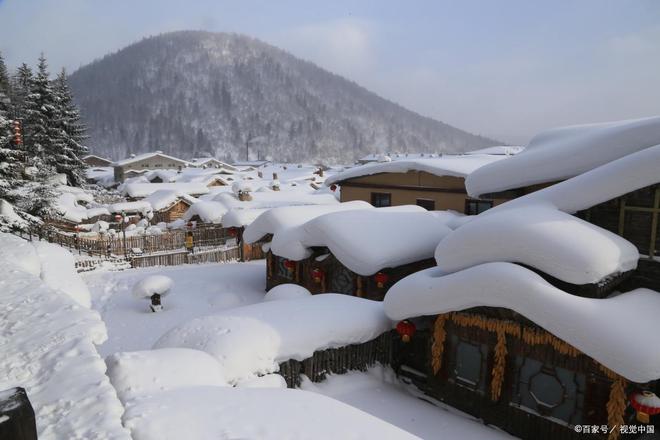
<point x="565" y="152"/>
<point x="140" y="373"/>
<point x="47" y="347"/>
<point x="267" y="381"/>
<point x="222" y="413"/>
<point x="286" y="291"/>
<point x="366" y="240"/>
<point x="556" y="243"/>
<point x="276" y="219"/>
<point x="587" y="324"/>
<point x="146" y="287"/>
<point x="59" y="272"/>
<point x="252" y="340"/>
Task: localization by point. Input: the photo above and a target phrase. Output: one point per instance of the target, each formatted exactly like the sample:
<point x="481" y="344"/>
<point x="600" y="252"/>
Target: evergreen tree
<point x="73" y="132"/>
<point x="5" y="92"/>
<point x="43" y="137"/>
<point x="20" y="89"/>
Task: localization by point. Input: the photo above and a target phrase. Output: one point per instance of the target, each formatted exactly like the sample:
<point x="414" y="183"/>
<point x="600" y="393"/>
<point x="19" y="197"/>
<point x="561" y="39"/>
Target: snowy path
<point x="378" y="393"/>
<point x="198" y="291"/>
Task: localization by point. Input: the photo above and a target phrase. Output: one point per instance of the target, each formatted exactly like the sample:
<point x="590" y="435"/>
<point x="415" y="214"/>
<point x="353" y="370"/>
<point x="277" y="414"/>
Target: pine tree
<point x="20" y="89"/>
<point x="5" y="92"/>
<point x="73" y="132"/>
<point x="43" y="137"/>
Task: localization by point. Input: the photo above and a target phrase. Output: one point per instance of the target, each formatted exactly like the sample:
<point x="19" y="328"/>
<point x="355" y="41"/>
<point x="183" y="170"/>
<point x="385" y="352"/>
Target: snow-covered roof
<point x="201" y="161"/>
<point x="566" y="152"/>
<point x="94" y="156"/>
<point x="456" y="166"/>
<point x="144" y="156"/>
<point x="140" y="190"/>
<point x="506" y="150"/>
<point x="207" y="210"/>
<point x="542" y="237"/>
<point x="366" y="240"/>
<point x="66" y="203"/>
<point x="129" y="207"/>
<point x="585" y="323"/>
<point x="164" y="198"/>
<point x="95" y="212"/>
<point x="241" y="217"/>
<point x="606" y="182"/>
<point x="277" y="219"/>
<point x="252" y="340"/>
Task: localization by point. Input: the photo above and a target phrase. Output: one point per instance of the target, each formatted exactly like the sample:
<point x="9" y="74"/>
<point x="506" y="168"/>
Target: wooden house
<point x="93" y="160"/>
<point x="543" y="357"/>
<point x="169" y="205"/>
<point x="147" y="162"/>
<point x="434" y="183"/>
<point x="355" y="252"/>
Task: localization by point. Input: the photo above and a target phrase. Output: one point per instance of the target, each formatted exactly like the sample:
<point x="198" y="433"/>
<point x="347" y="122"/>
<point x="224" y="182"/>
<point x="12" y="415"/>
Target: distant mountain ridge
<point x="194" y="93"/>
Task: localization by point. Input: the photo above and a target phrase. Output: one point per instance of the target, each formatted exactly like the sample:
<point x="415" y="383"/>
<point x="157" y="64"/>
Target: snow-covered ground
<point x="198" y="291"/>
<point x="156" y="385"/>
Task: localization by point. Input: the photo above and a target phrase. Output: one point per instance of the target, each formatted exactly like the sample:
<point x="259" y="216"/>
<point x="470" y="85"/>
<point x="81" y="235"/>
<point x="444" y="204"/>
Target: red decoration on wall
<point x="333" y="187"/>
<point x="290" y="265"/>
<point x="381" y="278"/>
<point x="233" y="232"/>
<point x="318" y="275"/>
<point x="406" y="330"/>
<point x="651" y="410"/>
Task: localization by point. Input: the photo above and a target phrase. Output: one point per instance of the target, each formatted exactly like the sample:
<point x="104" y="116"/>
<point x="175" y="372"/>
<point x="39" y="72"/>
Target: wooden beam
<point x="654" y="223"/>
<point x="404" y="187"/>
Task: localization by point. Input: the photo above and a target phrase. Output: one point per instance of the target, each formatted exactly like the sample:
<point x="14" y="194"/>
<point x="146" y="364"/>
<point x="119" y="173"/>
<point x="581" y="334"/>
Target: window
<point x="474" y="207"/>
<point x="428" y="204"/>
<point x="549" y="391"/>
<point x="380" y="200"/>
<point x="469" y="365"/>
<point x="158" y="165"/>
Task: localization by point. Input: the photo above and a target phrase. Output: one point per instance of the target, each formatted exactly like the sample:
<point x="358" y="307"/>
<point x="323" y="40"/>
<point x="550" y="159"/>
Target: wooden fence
<point x="338" y="360"/>
<point x="185" y="257"/>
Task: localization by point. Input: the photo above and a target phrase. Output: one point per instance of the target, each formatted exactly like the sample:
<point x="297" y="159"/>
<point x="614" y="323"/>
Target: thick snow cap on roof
<point x="506" y="150"/>
<point x="207" y="211"/>
<point x="366" y="240"/>
<point x="253" y="340"/>
<point x="130" y="207"/>
<point x="565" y="152"/>
<point x="238" y="218"/>
<point x="622" y="176"/>
<point x="140" y="190"/>
<point x="590" y="325"/>
<point x="456" y="166"/>
<point x="542" y="237"/>
<point x="164" y="198"/>
<point x="277" y="219"/>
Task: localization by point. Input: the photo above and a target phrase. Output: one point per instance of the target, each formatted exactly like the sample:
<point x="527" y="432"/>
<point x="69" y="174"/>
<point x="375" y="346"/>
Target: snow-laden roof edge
<point x="454" y="166"/>
<point x="587" y="324"/>
<point x="565" y="152"/>
<point x="143" y="156"/>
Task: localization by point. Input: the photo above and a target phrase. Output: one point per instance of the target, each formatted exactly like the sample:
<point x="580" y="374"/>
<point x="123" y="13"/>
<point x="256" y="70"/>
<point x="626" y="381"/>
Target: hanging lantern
<point x="233" y="232"/>
<point x="333" y="187"/>
<point x="190" y="225"/>
<point x="406" y="330"/>
<point x="318" y="275"/>
<point x="290" y="265"/>
<point x="646" y="404"/>
<point x="118" y="217"/>
<point x="381" y="278"/>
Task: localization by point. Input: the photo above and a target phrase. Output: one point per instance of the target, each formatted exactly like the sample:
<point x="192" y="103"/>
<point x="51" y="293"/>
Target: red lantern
<point x="318" y="275"/>
<point x="118" y="217"/>
<point x="290" y="265"/>
<point x="646" y="404"/>
<point x="381" y="278"/>
<point x="233" y="232"/>
<point x="406" y="330"/>
<point x="333" y="187"/>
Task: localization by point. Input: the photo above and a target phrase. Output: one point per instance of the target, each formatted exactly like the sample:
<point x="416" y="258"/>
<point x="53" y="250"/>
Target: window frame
<point x="376" y="195"/>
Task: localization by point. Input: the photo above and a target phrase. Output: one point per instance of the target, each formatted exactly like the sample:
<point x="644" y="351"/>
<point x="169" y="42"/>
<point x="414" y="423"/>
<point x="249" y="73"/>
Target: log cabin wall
<point x="491" y="368"/>
<point x="336" y="278"/>
<point x="172" y="213"/>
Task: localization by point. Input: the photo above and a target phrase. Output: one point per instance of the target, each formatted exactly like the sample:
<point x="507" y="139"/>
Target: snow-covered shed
<point x="93" y="160"/>
<point x="169" y="205"/>
<point x="359" y="252"/>
<point x="436" y="183"/>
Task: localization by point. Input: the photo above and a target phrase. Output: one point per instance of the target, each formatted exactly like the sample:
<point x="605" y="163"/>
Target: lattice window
<point x="469" y="364"/>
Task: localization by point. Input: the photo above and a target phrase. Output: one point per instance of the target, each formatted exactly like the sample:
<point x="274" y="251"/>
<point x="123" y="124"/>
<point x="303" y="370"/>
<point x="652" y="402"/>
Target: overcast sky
<point x="505" y="68"/>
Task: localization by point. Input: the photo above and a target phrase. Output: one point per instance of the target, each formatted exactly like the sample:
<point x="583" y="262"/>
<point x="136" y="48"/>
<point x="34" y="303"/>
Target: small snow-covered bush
<point x="286" y="291"/>
<point x="153" y="287"/>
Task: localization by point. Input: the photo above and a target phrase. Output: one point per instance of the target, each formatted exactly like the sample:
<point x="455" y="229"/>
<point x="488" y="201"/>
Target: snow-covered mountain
<point x="197" y="93"/>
